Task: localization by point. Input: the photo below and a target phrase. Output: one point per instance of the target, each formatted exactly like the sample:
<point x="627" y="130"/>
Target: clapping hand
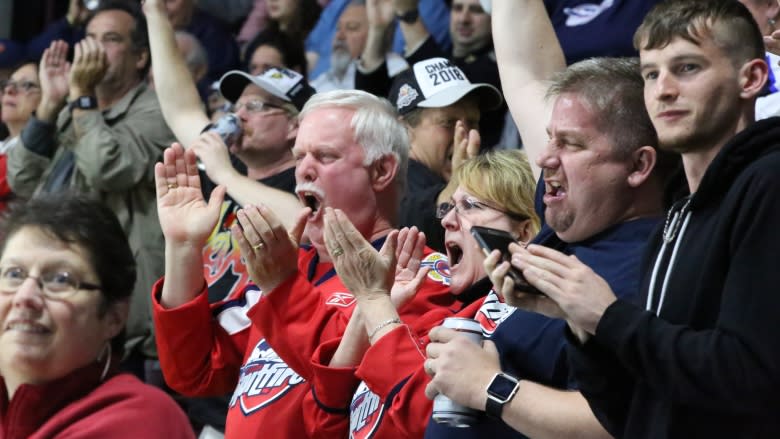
<point x="185" y="217"/>
<point x="270" y="252"/>
<point x="409" y="274"/>
<point x="89" y="67"/>
<point x="365" y="271"/>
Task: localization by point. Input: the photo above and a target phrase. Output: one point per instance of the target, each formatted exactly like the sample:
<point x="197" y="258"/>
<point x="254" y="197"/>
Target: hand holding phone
<point x="494" y="239"/>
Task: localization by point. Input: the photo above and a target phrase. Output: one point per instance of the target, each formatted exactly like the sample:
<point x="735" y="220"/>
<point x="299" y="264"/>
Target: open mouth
<point x="554" y="190"/>
<point x="454" y="254"/>
<point x="311" y="197"/>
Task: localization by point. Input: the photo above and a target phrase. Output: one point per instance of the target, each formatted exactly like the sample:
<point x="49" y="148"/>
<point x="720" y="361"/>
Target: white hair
<point x="375" y="125"/>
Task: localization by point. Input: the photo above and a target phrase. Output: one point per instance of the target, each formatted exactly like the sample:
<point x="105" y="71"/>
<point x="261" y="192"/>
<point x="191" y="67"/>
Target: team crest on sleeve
<point x="344" y="300"/>
<point x="365" y="413"/>
<point x="439" y="268"/>
<point x="264" y="379"/>
<point x="492" y="312"/>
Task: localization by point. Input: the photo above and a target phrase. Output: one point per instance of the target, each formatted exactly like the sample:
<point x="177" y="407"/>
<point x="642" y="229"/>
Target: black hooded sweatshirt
<point x="699" y="357"/>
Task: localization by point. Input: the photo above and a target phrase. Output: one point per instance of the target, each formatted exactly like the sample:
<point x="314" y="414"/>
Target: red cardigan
<point x="79" y="405"/>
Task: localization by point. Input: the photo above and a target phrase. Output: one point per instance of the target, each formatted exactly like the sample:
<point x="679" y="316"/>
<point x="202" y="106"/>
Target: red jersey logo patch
<point x="264" y="379"/>
<point x="439" y="268"/>
<point x="344" y="300"/>
<point x="365" y="413"/>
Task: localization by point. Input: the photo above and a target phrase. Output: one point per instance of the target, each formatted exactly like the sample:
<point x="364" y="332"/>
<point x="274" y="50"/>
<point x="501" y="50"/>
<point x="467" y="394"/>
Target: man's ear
<point x="753" y="76"/>
<point x="115" y="317"/>
<point x="143" y="59"/>
<point x="292" y="128"/>
<point x="383" y="172"/>
<point x="643" y="162"/>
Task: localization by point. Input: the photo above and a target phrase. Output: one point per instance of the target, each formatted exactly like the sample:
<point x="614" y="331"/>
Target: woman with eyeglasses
<point x="382" y="356"/>
<point x="20" y="95"/>
<point x="66" y="275"/>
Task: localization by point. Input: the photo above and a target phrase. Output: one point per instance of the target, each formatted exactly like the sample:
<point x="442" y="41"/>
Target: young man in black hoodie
<point x="699" y="356"/>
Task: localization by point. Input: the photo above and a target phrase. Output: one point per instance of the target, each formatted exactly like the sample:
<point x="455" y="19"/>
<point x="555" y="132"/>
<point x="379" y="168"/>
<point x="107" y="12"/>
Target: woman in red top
<point x="66" y="275"/>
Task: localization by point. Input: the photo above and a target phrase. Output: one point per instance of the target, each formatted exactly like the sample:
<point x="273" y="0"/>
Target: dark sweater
<point x="704" y="359"/>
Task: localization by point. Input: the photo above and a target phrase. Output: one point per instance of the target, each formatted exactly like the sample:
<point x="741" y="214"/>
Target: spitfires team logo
<point x="264" y="379"/>
<point x="439" y="268"/>
<point x="365" y="413"/>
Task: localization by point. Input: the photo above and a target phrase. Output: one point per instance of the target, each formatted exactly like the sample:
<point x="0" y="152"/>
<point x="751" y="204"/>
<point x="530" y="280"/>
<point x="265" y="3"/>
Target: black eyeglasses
<point x="25" y="86"/>
<point x="469" y="204"/>
<point x="56" y="284"/>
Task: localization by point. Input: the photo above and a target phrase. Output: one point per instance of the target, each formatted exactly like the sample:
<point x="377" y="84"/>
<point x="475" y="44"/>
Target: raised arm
<point x="416" y="32"/>
<point x="179" y="100"/>
<point x="525" y="63"/>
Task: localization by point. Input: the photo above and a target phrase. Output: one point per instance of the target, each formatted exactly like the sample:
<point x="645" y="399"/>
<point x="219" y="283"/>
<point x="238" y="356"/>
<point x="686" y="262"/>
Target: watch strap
<point x="501" y="390"/>
<point x="83" y="103"/>
<point x="409" y="16"/>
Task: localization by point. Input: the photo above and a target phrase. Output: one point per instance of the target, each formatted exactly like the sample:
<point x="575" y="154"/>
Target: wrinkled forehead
<point x="111" y="20"/>
<point x="329" y="127"/>
<point x="28" y="72"/>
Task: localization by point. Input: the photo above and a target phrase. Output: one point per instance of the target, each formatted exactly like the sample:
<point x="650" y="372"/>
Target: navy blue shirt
<point x="588" y="28"/>
<point x="532" y="346"/>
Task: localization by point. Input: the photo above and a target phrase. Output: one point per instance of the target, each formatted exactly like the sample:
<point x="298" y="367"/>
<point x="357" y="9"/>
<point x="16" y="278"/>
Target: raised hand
<point x="185" y="217"/>
<point x="364" y="271"/>
<point x="405" y="5"/>
<point x="89" y="67"/>
<point x="77" y="14"/>
<point x="466" y="146"/>
<point x="409" y="275"/>
<point x="53" y="74"/>
<point x="270" y="253"/>
<point x="381" y="13"/>
<point x="150" y="6"/>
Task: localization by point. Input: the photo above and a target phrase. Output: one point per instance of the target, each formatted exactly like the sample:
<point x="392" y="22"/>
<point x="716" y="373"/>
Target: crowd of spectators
<point x="253" y="218"/>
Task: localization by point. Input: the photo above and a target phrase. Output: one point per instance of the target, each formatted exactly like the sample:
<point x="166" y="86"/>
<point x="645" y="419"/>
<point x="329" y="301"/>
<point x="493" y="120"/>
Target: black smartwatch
<point x="500" y="391"/>
<point x="409" y="16"/>
<point x="83" y="103"/>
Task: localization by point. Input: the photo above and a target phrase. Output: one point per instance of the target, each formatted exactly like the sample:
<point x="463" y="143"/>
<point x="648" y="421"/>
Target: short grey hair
<point x="375" y="125"/>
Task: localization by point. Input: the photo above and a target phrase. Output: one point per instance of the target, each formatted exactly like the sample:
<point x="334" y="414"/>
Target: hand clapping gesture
<point x="270" y="253"/>
<point x="89" y="67"/>
<point x="185" y="217"/>
<point x="53" y="73"/>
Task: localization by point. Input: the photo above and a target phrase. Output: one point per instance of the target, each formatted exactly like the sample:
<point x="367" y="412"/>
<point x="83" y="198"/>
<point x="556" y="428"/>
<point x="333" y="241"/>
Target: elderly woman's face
<point x="51" y="331"/>
<point x="465" y="255"/>
<point x="21" y="95"/>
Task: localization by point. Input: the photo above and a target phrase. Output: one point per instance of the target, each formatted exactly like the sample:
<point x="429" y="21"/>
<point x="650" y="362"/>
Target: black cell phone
<point x="494" y="239"/>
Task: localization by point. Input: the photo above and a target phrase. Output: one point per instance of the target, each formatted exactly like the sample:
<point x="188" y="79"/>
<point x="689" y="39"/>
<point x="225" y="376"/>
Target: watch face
<point x="501" y="387"/>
